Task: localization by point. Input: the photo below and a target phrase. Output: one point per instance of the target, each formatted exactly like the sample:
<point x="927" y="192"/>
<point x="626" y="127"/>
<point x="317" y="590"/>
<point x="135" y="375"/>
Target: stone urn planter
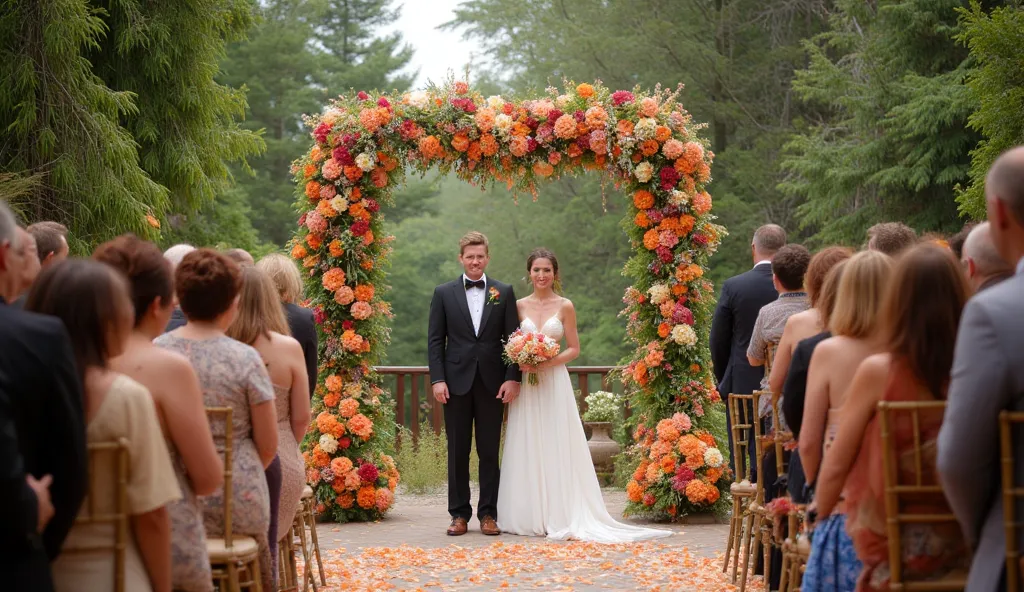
<point x="603" y="448"/>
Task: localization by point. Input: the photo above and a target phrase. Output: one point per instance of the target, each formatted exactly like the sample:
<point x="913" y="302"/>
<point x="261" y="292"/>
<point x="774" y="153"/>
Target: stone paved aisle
<point x="410" y="551"/>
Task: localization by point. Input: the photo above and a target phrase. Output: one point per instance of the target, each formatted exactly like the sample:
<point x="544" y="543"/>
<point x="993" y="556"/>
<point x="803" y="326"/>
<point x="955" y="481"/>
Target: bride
<point x="548" y="485"/>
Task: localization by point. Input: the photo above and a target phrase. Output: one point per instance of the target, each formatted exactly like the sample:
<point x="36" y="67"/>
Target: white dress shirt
<point x="763" y="262"/>
<point x="475" y="300"/>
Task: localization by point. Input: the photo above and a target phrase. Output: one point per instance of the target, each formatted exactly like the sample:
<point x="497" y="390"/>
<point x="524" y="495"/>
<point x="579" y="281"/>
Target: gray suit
<point x="987" y="377"/>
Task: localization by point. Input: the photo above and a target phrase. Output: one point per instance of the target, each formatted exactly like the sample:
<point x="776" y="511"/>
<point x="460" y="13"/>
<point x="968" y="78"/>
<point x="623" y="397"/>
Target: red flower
<point x="699" y="239"/>
<point x="362" y="95"/>
<point x="664" y="254"/>
<point x="621" y="97"/>
<point x="372" y="206"/>
<point x="347" y="325"/>
<point x="382" y="102"/>
<point x="321" y="132"/>
<point x="554" y="114"/>
<point x="531" y="144"/>
<point x="579" y="116"/>
<point x="343" y="156"/>
<point x="344" y="442"/>
<point x="359" y="227"/>
<point x="684" y="475"/>
<point x="466" y="105"/>
<point x="368" y="473"/>
<point x="507" y="109"/>
<point x="669" y="178"/>
<point x="302" y="220"/>
<point x="681" y="314"/>
<point x="319" y="316"/>
<point x="409" y="130"/>
<point x="531" y="123"/>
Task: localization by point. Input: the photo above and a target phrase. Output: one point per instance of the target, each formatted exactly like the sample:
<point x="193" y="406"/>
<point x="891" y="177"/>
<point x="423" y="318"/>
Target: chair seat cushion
<point x="743" y="487"/>
<point x="307" y="492"/>
<point x="241" y="546"/>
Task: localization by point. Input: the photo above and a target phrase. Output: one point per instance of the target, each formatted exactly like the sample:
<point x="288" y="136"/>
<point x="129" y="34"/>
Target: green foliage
<point x="423" y="464"/>
<point x="996" y="87"/>
<point x="603" y="406"/>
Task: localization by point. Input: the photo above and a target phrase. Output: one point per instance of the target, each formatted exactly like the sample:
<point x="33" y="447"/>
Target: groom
<point x="470" y="317"/>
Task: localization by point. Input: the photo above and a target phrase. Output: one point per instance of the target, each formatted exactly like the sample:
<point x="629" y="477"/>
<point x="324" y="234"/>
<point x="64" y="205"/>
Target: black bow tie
<point x="471" y="284"/>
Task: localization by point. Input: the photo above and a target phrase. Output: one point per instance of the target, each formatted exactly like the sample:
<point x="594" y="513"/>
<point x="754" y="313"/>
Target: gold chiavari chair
<point x="235" y="559"/>
<point x="1009" y="423"/>
<point x="757" y="516"/>
<point x="899" y="495"/>
<point x="307" y="515"/>
<point x="287" y="572"/>
<point x="743" y="416"/>
<point x="117" y="450"/>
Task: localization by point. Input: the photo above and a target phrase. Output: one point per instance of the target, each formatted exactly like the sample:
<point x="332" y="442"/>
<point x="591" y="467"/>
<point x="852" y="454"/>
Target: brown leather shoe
<point x="489" y="526"/>
<point x="458" y="527"/>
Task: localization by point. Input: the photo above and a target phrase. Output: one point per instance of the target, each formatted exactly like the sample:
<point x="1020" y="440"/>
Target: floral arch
<point x="645" y="142"/>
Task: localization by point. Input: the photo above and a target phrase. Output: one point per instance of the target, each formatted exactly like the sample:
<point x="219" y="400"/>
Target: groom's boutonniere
<point x="493" y="296"/>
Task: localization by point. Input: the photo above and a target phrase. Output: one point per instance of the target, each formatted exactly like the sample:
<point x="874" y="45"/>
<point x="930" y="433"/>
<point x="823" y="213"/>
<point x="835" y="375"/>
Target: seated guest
<point x="956" y="242"/>
<point x="808" y="323"/>
<point x="175" y="389"/>
<point x="982" y="262"/>
<point x="920" y="316"/>
<point x="988" y="378"/>
<point x="30" y="270"/>
<point x="261" y="324"/>
<point x="789" y="265"/>
<point x="285" y="275"/>
<point x="93" y="302"/>
<point x="241" y="257"/>
<point x="39" y="378"/>
<point x="231" y="374"/>
<point x="175" y="254"/>
<point x="51" y="242"/>
<point x="891" y="238"/>
<point x="855" y="336"/>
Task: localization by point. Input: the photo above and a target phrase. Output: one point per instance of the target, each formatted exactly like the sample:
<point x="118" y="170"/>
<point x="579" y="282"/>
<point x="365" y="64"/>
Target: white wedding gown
<point x="548" y="485"/>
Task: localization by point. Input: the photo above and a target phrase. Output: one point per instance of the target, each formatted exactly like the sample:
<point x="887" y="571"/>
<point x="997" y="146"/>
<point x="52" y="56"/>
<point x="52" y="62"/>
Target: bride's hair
<point x="544" y="253"/>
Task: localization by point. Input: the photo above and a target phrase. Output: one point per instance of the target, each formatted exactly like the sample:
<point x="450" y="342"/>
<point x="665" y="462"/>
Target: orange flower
<point x="642" y="220"/>
<point x="713" y="475"/>
<point x="333" y="279"/>
<point x="328" y="423"/>
<point x="341" y="466"/>
<point x="461" y="87"/>
<point x="706" y="438"/>
<point x="474" y="152"/>
<point x="488" y="145"/>
<point x="668" y="464"/>
<point x="313" y="190"/>
<point x="697" y="492"/>
<point x="484" y="119"/>
<point x="335" y="248"/>
<point x="701" y="203"/>
<point x="654" y="358"/>
<point x="430" y="147"/>
<point x="368" y="238"/>
<point x="641" y="470"/>
<point x="356" y="194"/>
<point x="346" y="500"/>
<point x="624" y="127"/>
<point x="314" y="241"/>
<point x="353" y="173"/>
<point x="369" y="119"/>
<point x="152" y="221"/>
<point x="364" y="292"/>
<point x="543" y="169"/>
<point x="316" y="154"/>
<point x="348" y="408"/>
<point x="518" y="146"/>
<point x="320" y="458"/>
<point x="667" y="431"/>
<point x="379" y="177"/>
<point x="309" y="170"/>
<point x="652" y="239"/>
<point x="325" y="209"/>
<point x="460" y="142"/>
<point x="332" y="399"/>
<point x="640" y="373"/>
<point x="520" y="129"/>
<point x="662" y="133"/>
<point x="643" y="199"/>
<point x="585" y="90"/>
<point x="333" y="383"/>
<point x="635" y="492"/>
<point x="299" y="251"/>
<point x="574" y="150"/>
<point x="663" y="330"/>
<point x="686" y="222"/>
<point x="596" y="117"/>
<point x="352" y="341"/>
<point x="649" y="147"/>
<point x="361" y="426"/>
<point x="694" y="367"/>
<point x="367" y="497"/>
<point x="367" y="264"/>
<point x="310" y="261"/>
<point x="703" y="172"/>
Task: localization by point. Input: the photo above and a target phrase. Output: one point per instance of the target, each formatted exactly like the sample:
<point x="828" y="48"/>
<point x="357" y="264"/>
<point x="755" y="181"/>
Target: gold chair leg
<point x="300" y="527"/>
<point x="254" y="572"/>
<point x="737" y="544"/>
<point x="732" y="532"/>
<point x="787" y="557"/>
<point x="746" y="551"/>
<point x="234" y="584"/>
<point x="754" y="538"/>
<point x="316" y="542"/>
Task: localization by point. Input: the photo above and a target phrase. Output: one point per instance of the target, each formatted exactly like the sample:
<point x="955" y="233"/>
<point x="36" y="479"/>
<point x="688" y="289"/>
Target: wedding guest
<point x="261" y="324"/>
<point x="788" y="268"/>
<point x="241" y="257"/>
<point x="808" y="323"/>
<point x="38" y="374"/>
<point x="285" y="275"/>
<point x="175" y="254"/>
<point x="833" y="564"/>
<point x="891" y="238"/>
<point x="741" y="300"/>
<point x="175" y="389"/>
<point x="231" y="374"/>
<point x="987" y="378"/>
<point x="51" y="242"/>
<point x="982" y="263"/>
<point x="956" y="242"/>
<point x="92" y="300"/>
<point x="919" y="318"/>
<point x="30" y="269"/>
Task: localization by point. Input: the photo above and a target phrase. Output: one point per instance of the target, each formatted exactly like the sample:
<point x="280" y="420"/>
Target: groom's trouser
<point x="483" y="408"/>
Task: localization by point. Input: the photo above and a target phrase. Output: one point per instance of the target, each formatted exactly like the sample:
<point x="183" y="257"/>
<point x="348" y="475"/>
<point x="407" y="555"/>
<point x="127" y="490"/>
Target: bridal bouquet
<point x="530" y="349"/>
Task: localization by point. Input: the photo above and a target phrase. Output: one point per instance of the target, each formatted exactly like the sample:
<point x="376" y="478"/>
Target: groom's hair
<point x="473" y="238"/>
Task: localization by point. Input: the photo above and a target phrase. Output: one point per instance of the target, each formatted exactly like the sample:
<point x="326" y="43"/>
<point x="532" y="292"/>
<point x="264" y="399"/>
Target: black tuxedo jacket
<point x="44" y="403"/>
<point x="456" y="353"/>
<point x="177" y="320"/>
<point x="303" y="328"/>
<point x="731" y="328"/>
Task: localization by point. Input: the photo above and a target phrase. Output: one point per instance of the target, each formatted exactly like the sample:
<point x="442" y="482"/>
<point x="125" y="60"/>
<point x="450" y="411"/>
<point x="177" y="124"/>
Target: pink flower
<point x="664" y="254"/>
<point x="328" y="192"/>
<point x="672" y="149"/>
<point x="621" y="97"/>
<point x="372" y="205"/>
<point x="384" y="499"/>
<point x="382" y="102"/>
<point x="682" y="422"/>
<point x="684" y="475"/>
<point x="361" y="311"/>
<point x="362" y="95"/>
<point x="599" y="142"/>
<point x="668" y="238"/>
<point x="316" y="223"/>
<point x="331" y="169"/>
<point x="319" y="316"/>
<point x="681" y="314"/>
<point x="649" y="106"/>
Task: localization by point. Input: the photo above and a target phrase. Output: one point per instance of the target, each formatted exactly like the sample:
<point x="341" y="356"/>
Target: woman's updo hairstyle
<point x="544" y="253"/>
<point x="207" y="283"/>
<point x="149" y="273"/>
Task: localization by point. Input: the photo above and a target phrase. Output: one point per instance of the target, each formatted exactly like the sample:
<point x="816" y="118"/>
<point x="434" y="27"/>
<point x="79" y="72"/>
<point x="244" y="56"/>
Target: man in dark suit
<point x="303" y="328"/>
<point x="470" y="318"/>
<point x="175" y="254"/>
<point x="44" y="413"/>
<point x="733" y="323"/>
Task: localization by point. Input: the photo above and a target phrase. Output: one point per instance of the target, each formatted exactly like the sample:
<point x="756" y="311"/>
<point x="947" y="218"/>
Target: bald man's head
<point x="981" y="255"/>
<point x="1004" y="202"/>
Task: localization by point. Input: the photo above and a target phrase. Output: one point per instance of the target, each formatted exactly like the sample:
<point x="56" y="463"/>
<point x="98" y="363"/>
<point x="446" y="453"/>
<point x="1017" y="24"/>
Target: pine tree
<point x="356" y="56"/>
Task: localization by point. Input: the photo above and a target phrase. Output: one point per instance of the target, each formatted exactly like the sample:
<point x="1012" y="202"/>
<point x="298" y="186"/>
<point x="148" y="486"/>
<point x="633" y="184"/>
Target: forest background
<point x="179" y="121"/>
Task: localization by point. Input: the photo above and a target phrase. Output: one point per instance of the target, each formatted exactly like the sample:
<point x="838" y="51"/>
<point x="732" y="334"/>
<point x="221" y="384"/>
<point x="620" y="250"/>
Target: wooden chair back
<point x="923" y="484"/>
<point x="223" y="442"/>
<point x="1010" y="423"/>
<point x="769" y="356"/>
<point x="117" y="452"/>
<point x="743" y="415"/>
<point x="759" y="439"/>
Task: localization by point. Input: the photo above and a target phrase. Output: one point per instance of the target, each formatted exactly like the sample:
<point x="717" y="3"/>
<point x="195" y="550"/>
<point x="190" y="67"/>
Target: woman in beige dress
<point x="261" y="323"/>
<point x="231" y="374"/>
<point x="179" y="402"/>
<point x="92" y="300"/>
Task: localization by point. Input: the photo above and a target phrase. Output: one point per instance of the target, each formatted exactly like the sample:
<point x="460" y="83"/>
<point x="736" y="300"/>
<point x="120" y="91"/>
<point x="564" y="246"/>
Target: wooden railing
<point x="414" y="400"/>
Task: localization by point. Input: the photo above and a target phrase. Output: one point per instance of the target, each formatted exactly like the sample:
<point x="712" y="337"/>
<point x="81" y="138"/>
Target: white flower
<point x="503" y="123"/>
<point x="713" y="458"/>
<point x="645" y="128"/>
<point x="683" y="335"/>
<point x="562" y="101"/>
<point x="419" y="99"/>
<point x="678" y="198"/>
<point x="339" y="204"/>
<point x="328" y="444"/>
<point x="659" y="293"/>
<point x="365" y="162"/>
<point x="644" y="171"/>
<point x="495" y="102"/>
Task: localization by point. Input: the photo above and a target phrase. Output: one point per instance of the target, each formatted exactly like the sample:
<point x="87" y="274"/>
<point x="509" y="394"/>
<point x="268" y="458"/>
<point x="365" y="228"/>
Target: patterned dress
<point x="232" y="374"/>
<point x="293" y="475"/>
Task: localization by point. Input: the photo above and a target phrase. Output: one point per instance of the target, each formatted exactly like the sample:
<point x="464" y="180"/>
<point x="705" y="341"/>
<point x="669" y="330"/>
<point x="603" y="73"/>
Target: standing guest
<point x="987" y="378"/>
<point x="956" y="242"/>
<point x="30" y="269"/>
<point x="982" y="263"/>
<point x="261" y="324"/>
<point x="741" y="301"/>
<point x="241" y="257"/>
<point x="175" y="254"/>
<point x="920" y="315"/>
<point x="285" y="275"/>
<point x="231" y="374"/>
<point x="891" y="238"/>
<point x="179" y="401"/>
<point x="51" y="242"/>
<point x="39" y="378"/>
<point x="92" y="299"/>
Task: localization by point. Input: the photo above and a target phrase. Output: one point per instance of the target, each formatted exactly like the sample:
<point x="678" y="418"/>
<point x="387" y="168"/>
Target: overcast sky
<point x="434" y="52"/>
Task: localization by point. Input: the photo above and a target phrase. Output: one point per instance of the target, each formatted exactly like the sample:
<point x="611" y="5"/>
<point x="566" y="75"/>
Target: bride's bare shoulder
<point x="567" y="306"/>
